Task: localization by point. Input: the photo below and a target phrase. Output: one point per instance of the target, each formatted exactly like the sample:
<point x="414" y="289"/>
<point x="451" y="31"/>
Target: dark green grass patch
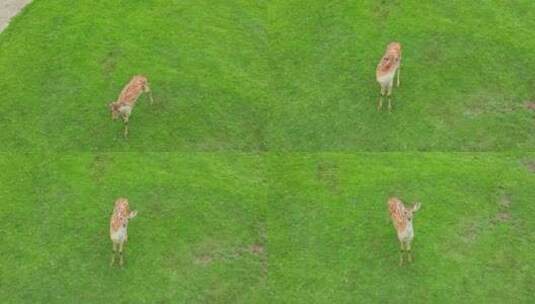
<point x="331" y="239"/>
<point x="199" y="236"/>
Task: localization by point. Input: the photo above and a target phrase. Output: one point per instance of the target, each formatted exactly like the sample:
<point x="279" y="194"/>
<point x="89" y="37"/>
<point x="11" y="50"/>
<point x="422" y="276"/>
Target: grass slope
<point x="198" y="237"/>
<point x="278" y="75"/>
<point x="331" y="240"/>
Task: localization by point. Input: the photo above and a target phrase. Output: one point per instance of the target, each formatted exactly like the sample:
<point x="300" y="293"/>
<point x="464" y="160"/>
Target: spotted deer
<point x="118" y="227"/>
<point x="402" y="219"/>
<point x="127" y="99"/>
<point x="386" y="72"/>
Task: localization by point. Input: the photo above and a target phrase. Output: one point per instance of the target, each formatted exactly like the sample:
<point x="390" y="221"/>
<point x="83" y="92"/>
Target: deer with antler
<point x="118" y="227"/>
<point x="386" y="72"/>
<point x="402" y="219"/>
<point x="127" y="99"/>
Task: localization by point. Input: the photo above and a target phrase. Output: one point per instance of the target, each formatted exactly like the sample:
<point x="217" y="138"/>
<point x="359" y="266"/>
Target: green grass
<point x="331" y="240"/>
<point x="320" y="222"/>
<point x="63" y="62"/>
<point x="465" y="75"/>
<point x="245" y="171"/>
<point x="191" y="242"/>
<point x="269" y="75"/>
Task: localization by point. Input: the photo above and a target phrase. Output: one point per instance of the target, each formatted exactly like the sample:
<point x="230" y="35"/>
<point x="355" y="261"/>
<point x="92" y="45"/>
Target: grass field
<point x="331" y="240"/>
<point x="282" y="228"/>
<point x="198" y="237"/>
<point x="269" y="75"/>
<point x="261" y="173"/>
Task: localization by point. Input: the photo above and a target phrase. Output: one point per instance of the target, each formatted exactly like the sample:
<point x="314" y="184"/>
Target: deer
<point x="386" y="72"/>
<point x="118" y="227"/>
<point x="402" y="219"/>
<point x="123" y="106"/>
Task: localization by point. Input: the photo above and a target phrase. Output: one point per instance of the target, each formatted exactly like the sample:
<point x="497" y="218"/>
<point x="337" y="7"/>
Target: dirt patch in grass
<point x="505" y="200"/>
<point x="99" y="166"/>
<point x="203" y="260"/>
<point x="109" y="63"/>
<point x="327" y="174"/>
<point x="383" y="9"/>
<point x="530" y="165"/>
<point x="211" y="252"/>
<point x="470" y="232"/>
<point x="503" y="215"/>
<point x="484" y="103"/>
<point x="256" y="249"/>
<point x="530" y="105"/>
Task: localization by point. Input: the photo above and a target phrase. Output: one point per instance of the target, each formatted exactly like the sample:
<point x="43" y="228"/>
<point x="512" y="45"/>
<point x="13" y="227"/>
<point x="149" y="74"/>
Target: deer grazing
<point x="386" y="72"/>
<point x="402" y="219"/>
<point x="118" y="227"/>
<point x="127" y="99"/>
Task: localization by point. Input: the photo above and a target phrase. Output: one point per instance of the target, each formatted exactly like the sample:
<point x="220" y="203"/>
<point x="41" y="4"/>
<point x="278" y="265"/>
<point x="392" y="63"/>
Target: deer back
<point x="132" y="90"/>
<point x="397" y="213"/>
<point x="120" y="214"/>
<point x="390" y="60"/>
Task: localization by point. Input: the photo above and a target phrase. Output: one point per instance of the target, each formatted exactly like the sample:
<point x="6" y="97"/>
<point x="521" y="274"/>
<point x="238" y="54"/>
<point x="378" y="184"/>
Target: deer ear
<point x="132" y="214"/>
<point x="416" y="207"/>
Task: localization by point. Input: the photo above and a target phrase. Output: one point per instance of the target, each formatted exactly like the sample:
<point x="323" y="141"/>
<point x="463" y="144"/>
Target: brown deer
<point x="118" y="227"/>
<point x="402" y="219"/>
<point x="127" y="99"/>
<point x="386" y="72"/>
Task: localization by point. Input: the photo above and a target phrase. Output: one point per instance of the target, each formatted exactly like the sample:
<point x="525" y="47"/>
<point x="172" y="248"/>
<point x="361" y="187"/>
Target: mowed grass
<point x="331" y="239"/>
<point x="275" y="228"/>
<point x="63" y="62"/>
<point x="465" y="75"/>
<point x="269" y="75"/>
<point x="199" y="236"/>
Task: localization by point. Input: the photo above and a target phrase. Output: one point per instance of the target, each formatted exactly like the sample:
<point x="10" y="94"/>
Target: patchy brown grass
<point x="109" y="63"/>
<point x="471" y="232"/>
<point x="204" y="260"/>
<point x="530" y="105"/>
<point x="327" y="174"/>
<point x="501" y="217"/>
<point x="530" y="165"/>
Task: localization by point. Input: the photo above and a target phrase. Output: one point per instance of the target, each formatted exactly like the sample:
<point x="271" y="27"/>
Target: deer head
<point x="409" y="212"/>
<point x="114" y="108"/>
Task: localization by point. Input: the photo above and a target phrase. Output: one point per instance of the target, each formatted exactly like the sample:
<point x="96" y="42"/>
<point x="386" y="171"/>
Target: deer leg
<point x="409" y="254"/>
<point x="151" y="99"/>
<point x="113" y="254"/>
<point x="389" y="92"/>
<point x="380" y="104"/>
<point x="121" y="253"/>
<point x="126" y="127"/>
<point x="399" y="72"/>
<point x="149" y="92"/>
<point x="401" y="255"/>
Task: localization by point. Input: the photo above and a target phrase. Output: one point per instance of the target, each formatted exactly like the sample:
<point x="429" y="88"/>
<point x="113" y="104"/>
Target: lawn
<point x="331" y="240"/>
<point x="262" y="170"/>
<point x="277" y="228"/>
<point x="269" y="75"/>
<point x="199" y="235"/>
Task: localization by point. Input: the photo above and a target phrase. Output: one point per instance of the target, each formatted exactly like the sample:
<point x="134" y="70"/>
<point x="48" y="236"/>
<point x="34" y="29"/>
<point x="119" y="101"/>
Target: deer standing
<point x="402" y="219"/>
<point x="386" y="72"/>
<point x="118" y="227"/>
<point x="127" y="99"/>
